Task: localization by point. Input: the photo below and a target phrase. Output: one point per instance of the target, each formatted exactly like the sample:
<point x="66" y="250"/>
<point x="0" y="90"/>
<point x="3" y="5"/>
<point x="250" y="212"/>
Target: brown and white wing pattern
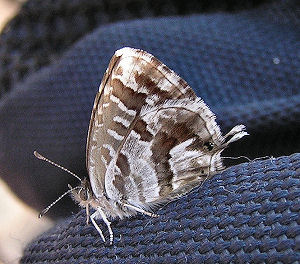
<point x="150" y="138"/>
<point x="134" y="80"/>
<point x="179" y="149"/>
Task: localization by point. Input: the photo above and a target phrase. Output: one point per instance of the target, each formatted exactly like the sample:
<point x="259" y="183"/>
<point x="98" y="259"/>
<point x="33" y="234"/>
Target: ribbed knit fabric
<point x="44" y="29"/>
<point x="247" y="214"/>
<point x="243" y="64"/>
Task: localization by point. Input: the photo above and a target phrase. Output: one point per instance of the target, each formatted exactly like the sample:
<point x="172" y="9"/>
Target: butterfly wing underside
<point x="134" y="81"/>
<point x="173" y="155"/>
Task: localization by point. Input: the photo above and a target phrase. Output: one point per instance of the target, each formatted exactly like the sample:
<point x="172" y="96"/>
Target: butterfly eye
<point x="84" y="194"/>
<point x="208" y="145"/>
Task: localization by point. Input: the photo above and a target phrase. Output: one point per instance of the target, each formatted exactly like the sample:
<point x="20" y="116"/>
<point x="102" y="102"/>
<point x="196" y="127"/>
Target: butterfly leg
<point x="87" y="210"/>
<point x="139" y="209"/>
<point x="103" y="216"/>
<point x="96" y="226"/>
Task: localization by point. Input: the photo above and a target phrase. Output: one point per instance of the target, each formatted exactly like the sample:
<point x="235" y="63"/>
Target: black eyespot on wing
<point x="208" y="145"/>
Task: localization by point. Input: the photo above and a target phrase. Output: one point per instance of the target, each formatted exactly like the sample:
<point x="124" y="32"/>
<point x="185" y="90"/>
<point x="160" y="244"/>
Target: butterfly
<point x="150" y="140"/>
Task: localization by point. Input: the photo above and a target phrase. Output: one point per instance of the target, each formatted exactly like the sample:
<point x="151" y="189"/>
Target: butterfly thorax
<point x="86" y="198"/>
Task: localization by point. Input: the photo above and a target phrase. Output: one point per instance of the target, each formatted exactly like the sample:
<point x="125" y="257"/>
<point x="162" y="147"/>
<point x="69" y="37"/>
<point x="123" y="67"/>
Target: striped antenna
<point x="43" y="212"/>
<point x="41" y="157"/>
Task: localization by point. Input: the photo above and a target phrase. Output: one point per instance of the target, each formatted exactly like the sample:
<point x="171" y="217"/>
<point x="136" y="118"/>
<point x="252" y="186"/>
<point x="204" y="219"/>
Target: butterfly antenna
<point x="41" y="157"/>
<point x="59" y="198"/>
<point x="239" y="157"/>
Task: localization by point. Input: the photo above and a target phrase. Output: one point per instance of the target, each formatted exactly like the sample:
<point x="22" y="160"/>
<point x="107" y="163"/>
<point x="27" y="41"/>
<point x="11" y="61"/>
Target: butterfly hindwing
<point x="168" y="156"/>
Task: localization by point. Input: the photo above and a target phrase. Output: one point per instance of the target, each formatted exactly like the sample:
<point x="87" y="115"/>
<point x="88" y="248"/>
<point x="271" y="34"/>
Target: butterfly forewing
<point x="133" y="80"/>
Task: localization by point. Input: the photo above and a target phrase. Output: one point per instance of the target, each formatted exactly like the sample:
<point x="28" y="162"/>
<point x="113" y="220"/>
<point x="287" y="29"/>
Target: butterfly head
<point x="83" y="193"/>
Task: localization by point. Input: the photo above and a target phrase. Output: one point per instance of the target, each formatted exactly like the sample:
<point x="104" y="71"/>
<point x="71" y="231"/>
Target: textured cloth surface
<point x="247" y="214"/>
<point x="244" y="66"/>
<point x="44" y="29"/>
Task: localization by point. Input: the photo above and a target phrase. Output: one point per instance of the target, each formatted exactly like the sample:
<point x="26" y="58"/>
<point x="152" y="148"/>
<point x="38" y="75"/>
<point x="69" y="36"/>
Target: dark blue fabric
<point x="44" y="29"/>
<point x="244" y="66"/>
<point x="247" y="214"/>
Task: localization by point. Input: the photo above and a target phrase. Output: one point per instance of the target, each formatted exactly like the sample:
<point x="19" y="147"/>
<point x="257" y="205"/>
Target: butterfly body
<point x="150" y="139"/>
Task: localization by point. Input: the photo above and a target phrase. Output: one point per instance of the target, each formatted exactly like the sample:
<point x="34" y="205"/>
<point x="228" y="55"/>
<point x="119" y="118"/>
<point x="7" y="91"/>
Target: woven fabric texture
<point x="247" y="214"/>
<point x="243" y="65"/>
<point x="44" y="29"/>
